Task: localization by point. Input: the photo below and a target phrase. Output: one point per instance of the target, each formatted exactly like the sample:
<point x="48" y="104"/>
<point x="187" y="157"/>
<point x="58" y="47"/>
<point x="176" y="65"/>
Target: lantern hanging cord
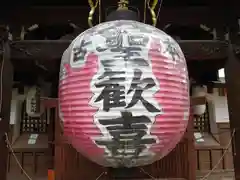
<point x="213" y="169"/>
<point x="221" y="158"/>
<point x="145" y="172"/>
<point x="101" y="175"/>
<point x="159" y="10"/>
<point x="152" y="10"/>
<point x="9" y="145"/>
<point x="213" y="134"/>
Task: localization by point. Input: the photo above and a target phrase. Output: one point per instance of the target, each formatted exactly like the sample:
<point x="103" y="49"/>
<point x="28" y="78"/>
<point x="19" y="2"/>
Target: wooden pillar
<point x="191" y="159"/>
<point x="232" y="74"/>
<point x="6" y="79"/>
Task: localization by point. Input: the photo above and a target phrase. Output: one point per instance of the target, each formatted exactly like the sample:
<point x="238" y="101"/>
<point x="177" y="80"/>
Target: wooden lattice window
<point x="202" y="123"/>
<point x="33" y="124"/>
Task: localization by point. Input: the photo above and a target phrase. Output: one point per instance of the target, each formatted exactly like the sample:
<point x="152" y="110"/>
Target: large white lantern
<point x="123" y="94"/>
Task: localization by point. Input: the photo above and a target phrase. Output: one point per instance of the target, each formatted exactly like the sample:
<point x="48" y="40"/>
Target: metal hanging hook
<point x="123" y="4"/>
<point x="92" y="11"/>
<point x="151" y="9"/>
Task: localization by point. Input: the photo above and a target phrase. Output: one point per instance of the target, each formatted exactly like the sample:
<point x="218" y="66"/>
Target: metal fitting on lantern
<point x="123" y="5"/>
<point x="123" y="12"/>
<point x="151" y="9"/>
<point x="92" y="11"/>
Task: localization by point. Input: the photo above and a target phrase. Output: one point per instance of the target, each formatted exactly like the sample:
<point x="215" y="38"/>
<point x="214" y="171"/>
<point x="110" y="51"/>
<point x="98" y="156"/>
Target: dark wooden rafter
<point x="78" y="15"/>
<point x="43" y="50"/>
<point x="34" y="56"/>
<point x="53" y="49"/>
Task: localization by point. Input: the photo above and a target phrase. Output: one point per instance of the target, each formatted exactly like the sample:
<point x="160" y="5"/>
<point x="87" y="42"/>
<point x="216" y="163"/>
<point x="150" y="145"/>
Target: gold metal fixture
<point x="123" y="4"/>
<point x="92" y="11"/>
<point x="151" y="9"/>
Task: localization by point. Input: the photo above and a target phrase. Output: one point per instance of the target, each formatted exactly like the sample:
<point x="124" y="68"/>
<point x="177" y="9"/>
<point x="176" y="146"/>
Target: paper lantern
<point x="123" y="94"/>
<point x="199" y="91"/>
<point x="33" y="105"/>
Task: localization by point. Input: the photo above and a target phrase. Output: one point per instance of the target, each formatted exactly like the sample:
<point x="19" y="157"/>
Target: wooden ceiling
<point x="78" y="15"/>
<point x="211" y="13"/>
<point x="38" y="57"/>
<point x="108" y="2"/>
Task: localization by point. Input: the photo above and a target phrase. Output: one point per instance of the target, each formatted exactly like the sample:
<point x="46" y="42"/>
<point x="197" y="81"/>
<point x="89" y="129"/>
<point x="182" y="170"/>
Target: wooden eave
<point x="24" y="53"/>
<point x="42" y="58"/>
<point x="45" y="50"/>
<point x="20" y="15"/>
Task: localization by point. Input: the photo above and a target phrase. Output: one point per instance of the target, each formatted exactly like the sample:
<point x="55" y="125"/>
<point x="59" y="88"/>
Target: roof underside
<point x="132" y="2"/>
<point x="25" y="64"/>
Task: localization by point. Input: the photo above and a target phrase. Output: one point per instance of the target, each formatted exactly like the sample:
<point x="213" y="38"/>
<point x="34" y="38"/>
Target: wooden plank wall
<point x="206" y="159"/>
<point x="180" y="163"/>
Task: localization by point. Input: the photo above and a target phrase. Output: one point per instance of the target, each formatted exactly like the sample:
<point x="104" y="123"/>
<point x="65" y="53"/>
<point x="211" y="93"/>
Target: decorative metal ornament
<point x="92" y="11"/>
<point x="123" y="94"/>
<point x="123" y="12"/>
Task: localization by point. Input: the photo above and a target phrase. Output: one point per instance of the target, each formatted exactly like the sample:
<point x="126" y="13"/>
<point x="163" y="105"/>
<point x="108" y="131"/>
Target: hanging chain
<point x="151" y="9"/>
<point x="92" y="11"/>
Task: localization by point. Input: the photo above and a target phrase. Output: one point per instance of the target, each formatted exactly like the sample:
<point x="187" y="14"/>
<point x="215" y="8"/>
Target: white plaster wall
<point x="220" y="107"/>
<point x="15" y="114"/>
<point x="15" y="118"/>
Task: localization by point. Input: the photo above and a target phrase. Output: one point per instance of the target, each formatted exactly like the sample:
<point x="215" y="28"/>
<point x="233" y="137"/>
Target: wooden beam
<point x="6" y="77"/>
<point x="53" y="49"/>
<point x="203" y="49"/>
<point x="41" y="50"/>
<point x="78" y="15"/>
<point x="218" y="84"/>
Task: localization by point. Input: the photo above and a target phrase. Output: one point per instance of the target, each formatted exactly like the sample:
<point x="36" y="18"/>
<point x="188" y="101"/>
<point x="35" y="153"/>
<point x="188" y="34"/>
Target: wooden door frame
<point x="51" y="103"/>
